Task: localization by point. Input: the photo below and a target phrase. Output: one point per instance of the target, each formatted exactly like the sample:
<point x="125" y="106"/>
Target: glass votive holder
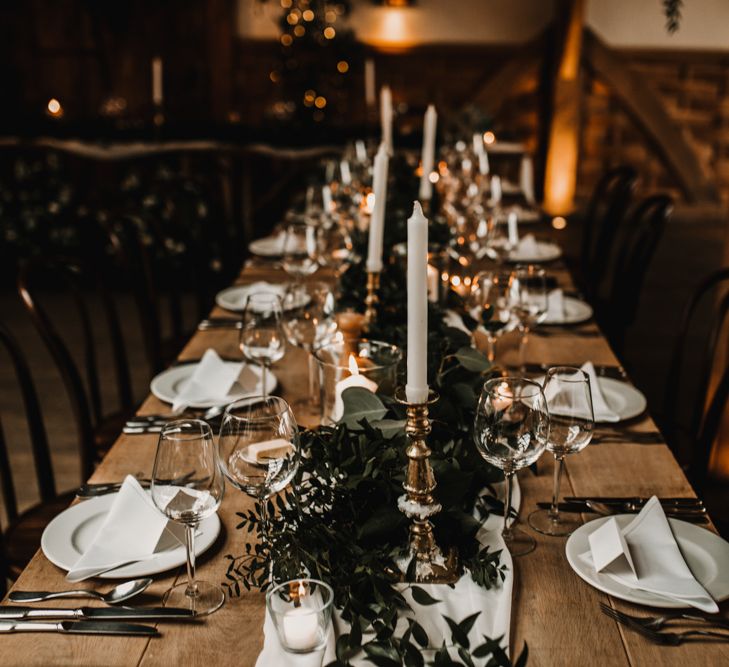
<point x="344" y="363"/>
<point x="301" y="610"/>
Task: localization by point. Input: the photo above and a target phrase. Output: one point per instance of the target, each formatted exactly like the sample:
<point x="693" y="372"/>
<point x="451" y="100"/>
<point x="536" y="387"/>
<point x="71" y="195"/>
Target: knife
<point x="101" y="613"/>
<point x="81" y="628"/>
<point x="219" y="323"/>
<point x="620" y="500"/>
<point x="615" y="372"/>
<point x="692" y="516"/>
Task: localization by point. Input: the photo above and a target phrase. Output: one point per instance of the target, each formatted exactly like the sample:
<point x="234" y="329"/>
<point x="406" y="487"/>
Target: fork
<point x="658" y="622"/>
<point x="664" y="638"/>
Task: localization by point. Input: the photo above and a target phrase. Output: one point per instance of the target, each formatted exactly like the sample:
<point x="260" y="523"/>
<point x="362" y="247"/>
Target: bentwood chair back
<point x="20" y="537"/>
<point x="634" y="250"/>
<point x="698" y="469"/>
<point x="683" y="415"/>
<point x="96" y="429"/>
<point x="605" y="212"/>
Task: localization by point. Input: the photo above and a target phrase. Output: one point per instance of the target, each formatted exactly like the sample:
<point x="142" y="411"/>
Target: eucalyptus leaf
<point x="360" y="403"/>
<point x="421" y="596"/>
<point x="390" y="427"/>
<point x="473" y="360"/>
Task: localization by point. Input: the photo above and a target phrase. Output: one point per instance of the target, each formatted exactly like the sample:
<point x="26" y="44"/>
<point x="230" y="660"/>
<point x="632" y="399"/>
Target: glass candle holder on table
<point x="344" y="363"/>
<point x="301" y="610"/>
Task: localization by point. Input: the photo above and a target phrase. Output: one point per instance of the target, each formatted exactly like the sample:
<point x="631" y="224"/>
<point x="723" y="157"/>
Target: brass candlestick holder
<point x="418" y="503"/>
<point x="371" y="300"/>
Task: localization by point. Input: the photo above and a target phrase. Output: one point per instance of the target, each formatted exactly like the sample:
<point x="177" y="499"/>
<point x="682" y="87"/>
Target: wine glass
<point x="511" y="430"/>
<point x="569" y="399"/>
<point x="262" y="339"/>
<point x="300" y="255"/>
<point x="499" y="243"/>
<point x="259" y="448"/>
<point x="334" y="246"/>
<point x="186" y="451"/>
<point x="491" y="301"/>
<point x="308" y="319"/>
<point x="532" y="304"/>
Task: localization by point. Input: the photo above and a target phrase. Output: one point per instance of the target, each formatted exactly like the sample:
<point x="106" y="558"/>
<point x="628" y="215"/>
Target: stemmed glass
<point x="300" y="253"/>
<point x="334" y="246"/>
<point x="491" y="301"/>
<point x="569" y="399"/>
<point x="308" y="318"/>
<point x="186" y="451"/>
<point x="498" y="243"/>
<point x="262" y="339"/>
<point x="532" y="304"/>
<point x="259" y="448"/>
<point x="511" y="430"/>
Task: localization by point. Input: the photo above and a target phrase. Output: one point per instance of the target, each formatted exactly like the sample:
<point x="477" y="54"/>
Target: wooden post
<point x="562" y="135"/>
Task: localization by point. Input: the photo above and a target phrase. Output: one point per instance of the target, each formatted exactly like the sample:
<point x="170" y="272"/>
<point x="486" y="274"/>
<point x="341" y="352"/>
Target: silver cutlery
<point x="116" y="595"/>
<point x="690" y="515"/>
<point x="602" y="370"/>
<point x="659" y="622"/>
<point x="101" y="613"/>
<point x="155" y="423"/>
<point x="103" y="488"/>
<point x="638" y="500"/>
<point x="219" y="323"/>
<point x="664" y="638"/>
<point x="628" y="436"/>
<point x="81" y="628"/>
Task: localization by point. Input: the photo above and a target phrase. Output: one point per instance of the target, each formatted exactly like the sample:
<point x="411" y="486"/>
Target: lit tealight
<point x="559" y="222"/>
<point x="329" y="32"/>
<point x="489" y="137"/>
<point x="308" y="15"/>
<point x="342" y="67"/>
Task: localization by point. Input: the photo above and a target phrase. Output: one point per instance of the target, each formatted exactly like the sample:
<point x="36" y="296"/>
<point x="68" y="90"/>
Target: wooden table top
<point x="553" y="610"/>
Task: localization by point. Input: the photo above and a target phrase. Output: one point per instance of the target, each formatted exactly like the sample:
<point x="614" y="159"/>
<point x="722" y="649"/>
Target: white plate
<point x="706" y="554"/>
<point x="67" y="537"/>
<point x="547" y="252"/>
<point x="575" y="311"/>
<point x="234" y="298"/>
<point x="167" y="384"/>
<point x="268" y="246"/>
<point x="622" y="398"/>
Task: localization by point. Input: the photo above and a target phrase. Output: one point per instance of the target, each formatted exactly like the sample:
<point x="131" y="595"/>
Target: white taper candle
<point x="428" y="155"/>
<point x="377" y="222"/>
<point x="416" y="388"/>
<point x="386" y="117"/>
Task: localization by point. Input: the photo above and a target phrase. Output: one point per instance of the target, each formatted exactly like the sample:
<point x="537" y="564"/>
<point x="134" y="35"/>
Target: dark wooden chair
<point x="605" y="212"/>
<point x="635" y="246"/>
<point x="20" y="538"/>
<point x="690" y="371"/>
<point x="96" y="429"/>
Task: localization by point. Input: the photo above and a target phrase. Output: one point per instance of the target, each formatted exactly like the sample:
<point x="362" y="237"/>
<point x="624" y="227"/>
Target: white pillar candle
<point x="428" y="155"/>
<point x="433" y="283"/>
<point x="360" y="150"/>
<point x="477" y="143"/>
<point x="345" y="172"/>
<point x="354" y="379"/>
<point x="416" y="388"/>
<point x="157" y="89"/>
<point x="369" y="77"/>
<point x="495" y="190"/>
<point x="326" y="199"/>
<point x="526" y="178"/>
<point x="513" y="228"/>
<point x="386" y="117"/>
<point x="483" y="163"/>
<point x="377" y="223"/>
<point x="301" y="628"/>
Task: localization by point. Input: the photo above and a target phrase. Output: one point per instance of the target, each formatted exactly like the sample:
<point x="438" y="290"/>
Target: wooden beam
<point x="560" y="170"/>
<point x="644" y="105"/>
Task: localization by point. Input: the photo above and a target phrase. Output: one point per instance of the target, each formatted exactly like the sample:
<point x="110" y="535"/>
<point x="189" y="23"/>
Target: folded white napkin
<point x="464" y="599"/>
<point x="647" y="558"/>
<point x="133" y="530"/>
<point x="527" y="247"/>
<point x="555" y="306"/>
<point x="603" y="412"/>
<point x="212" y="381"/>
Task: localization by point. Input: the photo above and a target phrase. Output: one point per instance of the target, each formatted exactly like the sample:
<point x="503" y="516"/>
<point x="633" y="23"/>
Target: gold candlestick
<point x="418" y="503"/>
<point x="371" y="300"/>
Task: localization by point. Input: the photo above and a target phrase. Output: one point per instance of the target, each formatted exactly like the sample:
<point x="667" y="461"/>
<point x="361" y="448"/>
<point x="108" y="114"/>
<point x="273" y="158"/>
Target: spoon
<point x="120" y="593"/>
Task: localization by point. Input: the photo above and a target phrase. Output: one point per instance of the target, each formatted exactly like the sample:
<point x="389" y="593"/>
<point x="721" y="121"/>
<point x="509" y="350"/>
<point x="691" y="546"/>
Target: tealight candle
<point x="301" y="628"/>
<point x="354" y="379"/>
<point x="504" y="398"/>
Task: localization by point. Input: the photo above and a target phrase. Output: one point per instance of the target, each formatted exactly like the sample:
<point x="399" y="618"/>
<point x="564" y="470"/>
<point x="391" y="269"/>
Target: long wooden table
<point x="553" y="610"/>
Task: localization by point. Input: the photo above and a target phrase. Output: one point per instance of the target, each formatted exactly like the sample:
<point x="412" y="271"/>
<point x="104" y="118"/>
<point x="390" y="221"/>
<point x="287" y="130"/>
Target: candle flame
<point x="353" y="368"/>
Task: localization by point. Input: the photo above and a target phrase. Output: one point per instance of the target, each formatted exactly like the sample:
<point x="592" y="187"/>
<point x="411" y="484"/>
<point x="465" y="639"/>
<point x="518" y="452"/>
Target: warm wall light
<point x="54" y="108"/>
<point x="396" y="3"/>
<point x="393" y="30"/>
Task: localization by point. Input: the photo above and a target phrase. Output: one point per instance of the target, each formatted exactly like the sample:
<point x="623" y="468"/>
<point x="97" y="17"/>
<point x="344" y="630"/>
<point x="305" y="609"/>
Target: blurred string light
<point x="489" y="137"/>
